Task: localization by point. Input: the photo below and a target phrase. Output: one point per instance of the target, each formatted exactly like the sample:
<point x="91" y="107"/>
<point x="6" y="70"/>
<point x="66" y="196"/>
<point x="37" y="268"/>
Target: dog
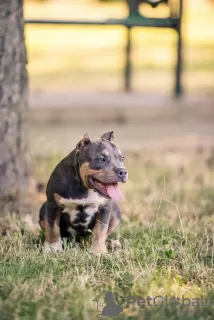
<point x="82" y="195"/>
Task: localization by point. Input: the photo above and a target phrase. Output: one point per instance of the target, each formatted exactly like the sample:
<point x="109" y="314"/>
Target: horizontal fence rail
<point x="129" y="22"/>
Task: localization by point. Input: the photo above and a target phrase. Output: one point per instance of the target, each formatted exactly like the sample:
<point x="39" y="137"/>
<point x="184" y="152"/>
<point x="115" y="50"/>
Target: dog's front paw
<point x="98" y="249"/>
<point x="54" y="247"/>
<point x="113" y="244"/>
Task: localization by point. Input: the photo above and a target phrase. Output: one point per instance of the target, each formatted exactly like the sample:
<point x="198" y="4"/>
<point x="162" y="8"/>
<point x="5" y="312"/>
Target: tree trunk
<point x="13" y="108"/>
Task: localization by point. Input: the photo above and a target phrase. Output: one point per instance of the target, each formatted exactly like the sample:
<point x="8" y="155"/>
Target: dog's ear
<point x="108" y="136"/>
<point x="82" y="143"/>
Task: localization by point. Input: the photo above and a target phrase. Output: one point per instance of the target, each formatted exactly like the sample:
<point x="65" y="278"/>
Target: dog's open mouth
<point x="110" y="190"/>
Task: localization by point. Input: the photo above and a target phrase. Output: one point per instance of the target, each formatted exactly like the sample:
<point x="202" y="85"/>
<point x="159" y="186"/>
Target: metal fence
<point x="135" y="19"/>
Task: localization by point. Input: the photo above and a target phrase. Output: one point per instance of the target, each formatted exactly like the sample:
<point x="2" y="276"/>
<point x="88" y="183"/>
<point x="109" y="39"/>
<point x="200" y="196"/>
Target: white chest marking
<point x="93" y="198"/>
<point x="93" y="201"/>
<point x="72" y="213"/>
<point x="90" y="211"/>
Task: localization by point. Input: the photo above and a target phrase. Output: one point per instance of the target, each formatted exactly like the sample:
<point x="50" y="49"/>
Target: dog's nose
<point x="122" y="174"/>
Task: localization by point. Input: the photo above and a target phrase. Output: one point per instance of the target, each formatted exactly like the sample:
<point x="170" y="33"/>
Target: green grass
<point x="167" y="240"/>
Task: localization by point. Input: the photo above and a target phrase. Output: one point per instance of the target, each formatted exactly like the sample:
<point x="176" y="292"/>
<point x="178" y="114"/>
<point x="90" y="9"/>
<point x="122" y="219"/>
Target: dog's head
<point x="101" y="165"/>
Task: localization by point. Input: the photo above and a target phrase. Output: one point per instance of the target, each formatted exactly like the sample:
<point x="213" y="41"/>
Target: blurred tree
<point x="13" y="107"/>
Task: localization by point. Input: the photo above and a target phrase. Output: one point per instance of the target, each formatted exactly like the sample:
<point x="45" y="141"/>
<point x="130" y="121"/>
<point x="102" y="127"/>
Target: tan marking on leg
<point x="98" y="246"/>
<point x="113" y="225"/>
<point x="100" y="232"/>
<point x="52" y="233"/>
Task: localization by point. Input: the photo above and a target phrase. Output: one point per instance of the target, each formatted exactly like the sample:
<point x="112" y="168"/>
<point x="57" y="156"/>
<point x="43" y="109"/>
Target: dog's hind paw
<point x="113" y="244"/>
<point x="54" y="247"/>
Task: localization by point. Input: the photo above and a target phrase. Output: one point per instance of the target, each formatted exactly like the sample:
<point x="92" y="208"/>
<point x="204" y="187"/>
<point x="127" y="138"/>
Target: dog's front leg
<point x="100" y="231"/>
<point x="53" y="241"/>
<point x="113" y="225"/>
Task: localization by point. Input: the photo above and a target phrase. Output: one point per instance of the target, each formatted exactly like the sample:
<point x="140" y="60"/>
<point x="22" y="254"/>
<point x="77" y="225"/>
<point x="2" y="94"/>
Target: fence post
<point x="178" y="91"/>
<point x="128" y="66"/>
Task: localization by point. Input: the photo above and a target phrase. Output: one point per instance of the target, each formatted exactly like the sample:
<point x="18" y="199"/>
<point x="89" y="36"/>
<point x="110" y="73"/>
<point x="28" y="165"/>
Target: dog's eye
<point x="122" y="159"/>
<point x="101" y="159"/>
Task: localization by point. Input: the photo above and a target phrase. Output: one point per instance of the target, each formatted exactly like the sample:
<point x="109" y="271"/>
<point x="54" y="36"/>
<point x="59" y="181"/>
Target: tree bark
<point x="13" y="108"/>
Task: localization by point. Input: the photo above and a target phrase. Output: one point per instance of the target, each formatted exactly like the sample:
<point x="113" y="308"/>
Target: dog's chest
<point x="81" y="213"/>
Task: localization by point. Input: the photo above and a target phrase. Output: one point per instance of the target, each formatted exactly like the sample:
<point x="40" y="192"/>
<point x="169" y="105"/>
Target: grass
<point x="167" y="239"/>
<point x="92" y="58"/>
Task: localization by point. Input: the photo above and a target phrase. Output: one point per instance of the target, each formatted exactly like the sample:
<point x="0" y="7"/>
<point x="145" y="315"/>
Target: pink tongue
<point x="114" y="192"/>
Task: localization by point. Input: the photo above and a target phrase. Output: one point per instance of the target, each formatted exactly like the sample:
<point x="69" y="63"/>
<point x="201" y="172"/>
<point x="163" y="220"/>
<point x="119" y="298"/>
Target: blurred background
<point x="77" y="77"/>
<point x="91" y="58"/>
